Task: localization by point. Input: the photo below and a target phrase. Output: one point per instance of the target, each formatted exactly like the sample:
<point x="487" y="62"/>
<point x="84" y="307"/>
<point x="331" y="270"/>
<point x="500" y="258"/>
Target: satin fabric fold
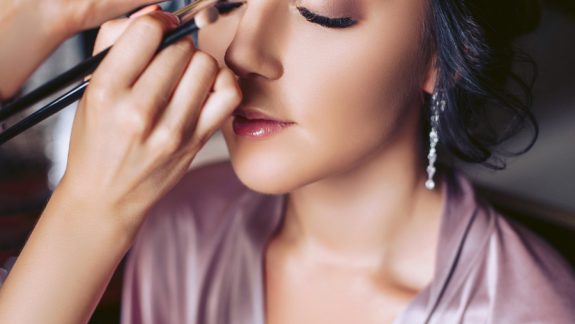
<point x="199" y="259"/>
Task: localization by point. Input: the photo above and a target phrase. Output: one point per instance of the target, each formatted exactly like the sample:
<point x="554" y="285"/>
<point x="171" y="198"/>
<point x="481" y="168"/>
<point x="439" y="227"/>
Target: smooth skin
<point x="136" y="131"/>
<point x="360" y="232"/>
<point x="32" y="29"/>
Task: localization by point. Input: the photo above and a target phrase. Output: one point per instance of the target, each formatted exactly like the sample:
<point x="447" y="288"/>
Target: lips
<point x="256" y="125"/>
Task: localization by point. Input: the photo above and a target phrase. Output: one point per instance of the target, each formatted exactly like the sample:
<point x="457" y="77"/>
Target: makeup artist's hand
<point x="136" y="131"/>
<point x="143" y="120"/>
<point x="32" y="29"/>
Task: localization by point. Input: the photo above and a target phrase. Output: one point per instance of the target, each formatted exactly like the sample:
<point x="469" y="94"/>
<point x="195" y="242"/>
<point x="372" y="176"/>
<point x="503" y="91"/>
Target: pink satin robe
<point x="199" y="260"/>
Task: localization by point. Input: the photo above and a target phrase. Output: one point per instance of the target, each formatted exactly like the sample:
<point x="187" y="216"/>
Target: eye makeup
<point x="325" y="21"/>
<point x="225" y="7"/>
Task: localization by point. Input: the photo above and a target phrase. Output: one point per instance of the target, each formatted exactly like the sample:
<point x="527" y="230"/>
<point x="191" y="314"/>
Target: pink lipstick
<point x="255" y="125"/>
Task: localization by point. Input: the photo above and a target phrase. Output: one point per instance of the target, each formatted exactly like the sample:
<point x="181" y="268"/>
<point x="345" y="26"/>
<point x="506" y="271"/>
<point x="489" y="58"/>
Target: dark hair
<point x="486" y="102"/>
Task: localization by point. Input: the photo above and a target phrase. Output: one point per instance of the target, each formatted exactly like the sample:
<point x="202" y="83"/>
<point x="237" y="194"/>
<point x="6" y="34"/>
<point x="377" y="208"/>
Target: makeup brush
<point x="190" y="21"/>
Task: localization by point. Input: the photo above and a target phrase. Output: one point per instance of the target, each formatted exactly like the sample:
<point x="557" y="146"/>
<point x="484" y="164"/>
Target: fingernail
<point x="173" y="18"/>
<point x="145" y="10"/>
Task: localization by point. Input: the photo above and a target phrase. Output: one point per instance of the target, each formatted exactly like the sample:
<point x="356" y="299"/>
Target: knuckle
<point x="98" y="94"/>
<point x="200" y="140"/>
<point x="175" y="126"/>
<point x="109" y="33"/>
<point x="136" y="123"/>
<point x="109" y="27"/>
<point x="105" y="30"/>
<point x="104" y="37"/>
<point x="136" y="118"/>
<point x="169" y="141"/>
<point x="113" y="27"/>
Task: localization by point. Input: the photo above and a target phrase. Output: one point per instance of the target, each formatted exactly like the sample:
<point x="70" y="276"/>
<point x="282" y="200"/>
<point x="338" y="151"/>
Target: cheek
<point x="349" y="94"/>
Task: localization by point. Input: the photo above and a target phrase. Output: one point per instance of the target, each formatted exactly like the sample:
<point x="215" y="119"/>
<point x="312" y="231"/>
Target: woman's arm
<point x="32" y="29"/>
<point x="137" y="129"/>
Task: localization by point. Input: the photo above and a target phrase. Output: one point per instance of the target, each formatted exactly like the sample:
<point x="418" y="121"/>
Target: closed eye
<point x="225" y="7"/>
<point x="325" y="21"/>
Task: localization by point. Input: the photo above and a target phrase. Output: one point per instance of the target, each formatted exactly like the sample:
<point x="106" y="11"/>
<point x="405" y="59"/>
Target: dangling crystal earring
<point x="437" y="106"/>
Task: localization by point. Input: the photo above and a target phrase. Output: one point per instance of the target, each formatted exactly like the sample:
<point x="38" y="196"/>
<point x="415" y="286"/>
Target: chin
<point x="272" y="166"/>
<point x="263" y="181"/>
<point x="265" y="171"/>
<point x="292" y="159"/>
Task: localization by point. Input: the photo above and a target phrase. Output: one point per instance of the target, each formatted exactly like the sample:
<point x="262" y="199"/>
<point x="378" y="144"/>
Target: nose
<point x="255" y="49"/>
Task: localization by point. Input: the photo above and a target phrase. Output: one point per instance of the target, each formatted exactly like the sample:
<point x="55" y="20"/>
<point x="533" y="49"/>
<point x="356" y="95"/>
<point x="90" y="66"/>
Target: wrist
<point x="103" y="219"/>
<point x="55" y="18"/>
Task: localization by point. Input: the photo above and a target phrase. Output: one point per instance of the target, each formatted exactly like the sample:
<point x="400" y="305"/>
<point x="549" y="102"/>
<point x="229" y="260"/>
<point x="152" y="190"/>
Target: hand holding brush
<point x="143" y="118"/>
<point x="187" y="24"/>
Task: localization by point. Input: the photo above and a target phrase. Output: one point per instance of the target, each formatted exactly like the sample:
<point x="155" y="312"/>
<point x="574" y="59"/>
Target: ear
<point x="431" y="77"/>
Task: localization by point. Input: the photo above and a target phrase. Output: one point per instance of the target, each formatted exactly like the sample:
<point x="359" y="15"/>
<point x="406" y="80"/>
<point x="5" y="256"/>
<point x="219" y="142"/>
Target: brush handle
<point x="43" y="113"/>
<point x="185" y="16"/>
<point x="62" y="81"/>
<point x="81" y="70"/>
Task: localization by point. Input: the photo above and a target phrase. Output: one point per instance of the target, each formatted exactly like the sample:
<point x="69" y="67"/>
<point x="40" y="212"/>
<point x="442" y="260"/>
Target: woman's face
<point x="317" y="101"/>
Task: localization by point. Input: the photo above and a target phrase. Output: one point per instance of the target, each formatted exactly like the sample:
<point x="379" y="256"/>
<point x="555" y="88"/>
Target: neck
<point x="363" y="217"/>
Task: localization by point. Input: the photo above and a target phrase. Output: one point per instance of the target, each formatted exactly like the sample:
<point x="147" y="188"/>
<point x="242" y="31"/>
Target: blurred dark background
<point x="537" y="189"/>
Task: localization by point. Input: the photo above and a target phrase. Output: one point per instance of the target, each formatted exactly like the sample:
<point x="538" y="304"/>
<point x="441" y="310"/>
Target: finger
<point x="181" y="114"/>
<point x="111" y="30"/>
<point x="156" y="85"/>
<point x="219" y="106"/>
<point x="145" y="10"/>
<point x="133" y="51"/>
<point x="109" y="34"/>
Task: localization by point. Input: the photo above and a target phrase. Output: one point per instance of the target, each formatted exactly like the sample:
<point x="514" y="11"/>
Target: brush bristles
<point x="206" y="17"/>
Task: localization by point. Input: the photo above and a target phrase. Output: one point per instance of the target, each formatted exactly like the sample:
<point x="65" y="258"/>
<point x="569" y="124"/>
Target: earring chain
<point x="437" y="106"/>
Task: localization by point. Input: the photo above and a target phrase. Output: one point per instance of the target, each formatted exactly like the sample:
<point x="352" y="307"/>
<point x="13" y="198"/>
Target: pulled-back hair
<point x="486" y="102"/>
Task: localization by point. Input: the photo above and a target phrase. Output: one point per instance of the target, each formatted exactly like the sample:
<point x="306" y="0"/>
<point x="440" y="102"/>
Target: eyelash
<point x="325" y="21"/>
<point x="225" y="7"/>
